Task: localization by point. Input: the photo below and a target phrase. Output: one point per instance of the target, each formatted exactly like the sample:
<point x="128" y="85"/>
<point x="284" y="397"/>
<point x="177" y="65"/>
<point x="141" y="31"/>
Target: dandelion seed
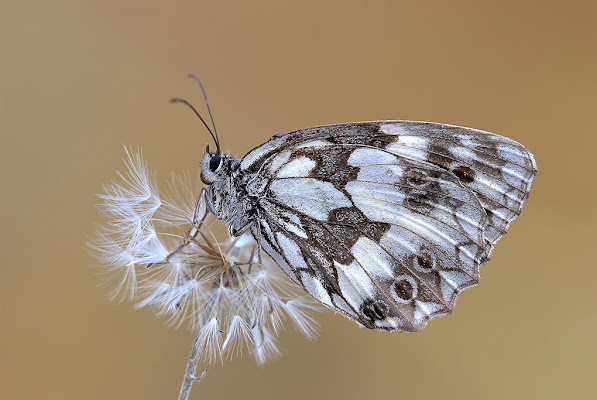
<point x="265" y="344"/>
<point x="297" y="309"/>
<point x="237" y="335"/>
<point x="209" y="337"/>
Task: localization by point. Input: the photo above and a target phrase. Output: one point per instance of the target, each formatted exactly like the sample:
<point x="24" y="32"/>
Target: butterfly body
<point x="385" y="221"/>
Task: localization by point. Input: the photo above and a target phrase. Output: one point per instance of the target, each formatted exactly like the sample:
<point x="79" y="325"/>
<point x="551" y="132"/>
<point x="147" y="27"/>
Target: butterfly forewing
<point x="388" y="221"/>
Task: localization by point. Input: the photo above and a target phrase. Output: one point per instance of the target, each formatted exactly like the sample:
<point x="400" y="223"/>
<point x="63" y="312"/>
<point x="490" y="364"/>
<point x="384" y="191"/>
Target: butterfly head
<point x="212" y="166"/>
<point x="219" y="171"/>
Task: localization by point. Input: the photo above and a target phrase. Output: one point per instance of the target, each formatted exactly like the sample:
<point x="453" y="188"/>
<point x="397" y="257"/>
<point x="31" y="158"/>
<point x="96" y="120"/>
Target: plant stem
<point x="189" y="376"/>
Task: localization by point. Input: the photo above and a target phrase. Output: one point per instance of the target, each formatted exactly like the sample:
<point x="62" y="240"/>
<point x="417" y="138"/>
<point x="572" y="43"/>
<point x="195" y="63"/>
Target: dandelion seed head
<point x="168" y="253"/>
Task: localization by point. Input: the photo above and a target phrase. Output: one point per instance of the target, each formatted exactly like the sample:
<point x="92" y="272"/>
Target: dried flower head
<point x="170" y="254"/>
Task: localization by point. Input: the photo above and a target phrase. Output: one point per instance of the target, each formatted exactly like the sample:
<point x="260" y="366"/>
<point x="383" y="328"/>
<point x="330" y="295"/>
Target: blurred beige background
<point x="80" y="78"/>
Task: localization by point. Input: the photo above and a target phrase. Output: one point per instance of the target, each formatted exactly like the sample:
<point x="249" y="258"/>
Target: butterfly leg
<point x="196" y="224"/>
<point x="259" y="256"/>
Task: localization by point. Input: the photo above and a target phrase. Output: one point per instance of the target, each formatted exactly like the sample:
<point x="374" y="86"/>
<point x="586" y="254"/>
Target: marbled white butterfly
<point x="386" y="222"/>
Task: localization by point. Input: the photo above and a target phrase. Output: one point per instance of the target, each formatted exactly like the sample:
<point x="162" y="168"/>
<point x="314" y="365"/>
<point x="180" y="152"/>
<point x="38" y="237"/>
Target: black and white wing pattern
<point x="386" y="222"/>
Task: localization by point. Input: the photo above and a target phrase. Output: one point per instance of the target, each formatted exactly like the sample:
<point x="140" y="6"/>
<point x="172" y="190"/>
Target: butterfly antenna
<point x="178" y="100"/>
<point x="217" y="139"/>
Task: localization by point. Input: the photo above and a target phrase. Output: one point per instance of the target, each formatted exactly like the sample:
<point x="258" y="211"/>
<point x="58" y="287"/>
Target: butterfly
<point x="386" y="222"/>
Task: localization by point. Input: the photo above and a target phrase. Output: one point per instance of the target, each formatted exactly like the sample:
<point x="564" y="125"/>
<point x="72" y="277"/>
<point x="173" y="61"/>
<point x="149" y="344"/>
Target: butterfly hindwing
<point x="386" y="222"/>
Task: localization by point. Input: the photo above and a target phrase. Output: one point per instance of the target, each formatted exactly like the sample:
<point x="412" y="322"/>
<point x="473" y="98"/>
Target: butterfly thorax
<point x="228" y="199"/>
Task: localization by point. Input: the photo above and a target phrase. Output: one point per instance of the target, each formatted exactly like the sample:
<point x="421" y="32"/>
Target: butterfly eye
<point x="214" y="162"/>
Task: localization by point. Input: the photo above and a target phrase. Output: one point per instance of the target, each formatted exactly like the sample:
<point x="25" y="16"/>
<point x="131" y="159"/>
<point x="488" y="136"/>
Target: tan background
<point x="80" y="78"/>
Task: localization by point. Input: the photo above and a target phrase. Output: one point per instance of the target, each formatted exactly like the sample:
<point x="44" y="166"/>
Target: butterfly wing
<point x="388" y="221"/>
